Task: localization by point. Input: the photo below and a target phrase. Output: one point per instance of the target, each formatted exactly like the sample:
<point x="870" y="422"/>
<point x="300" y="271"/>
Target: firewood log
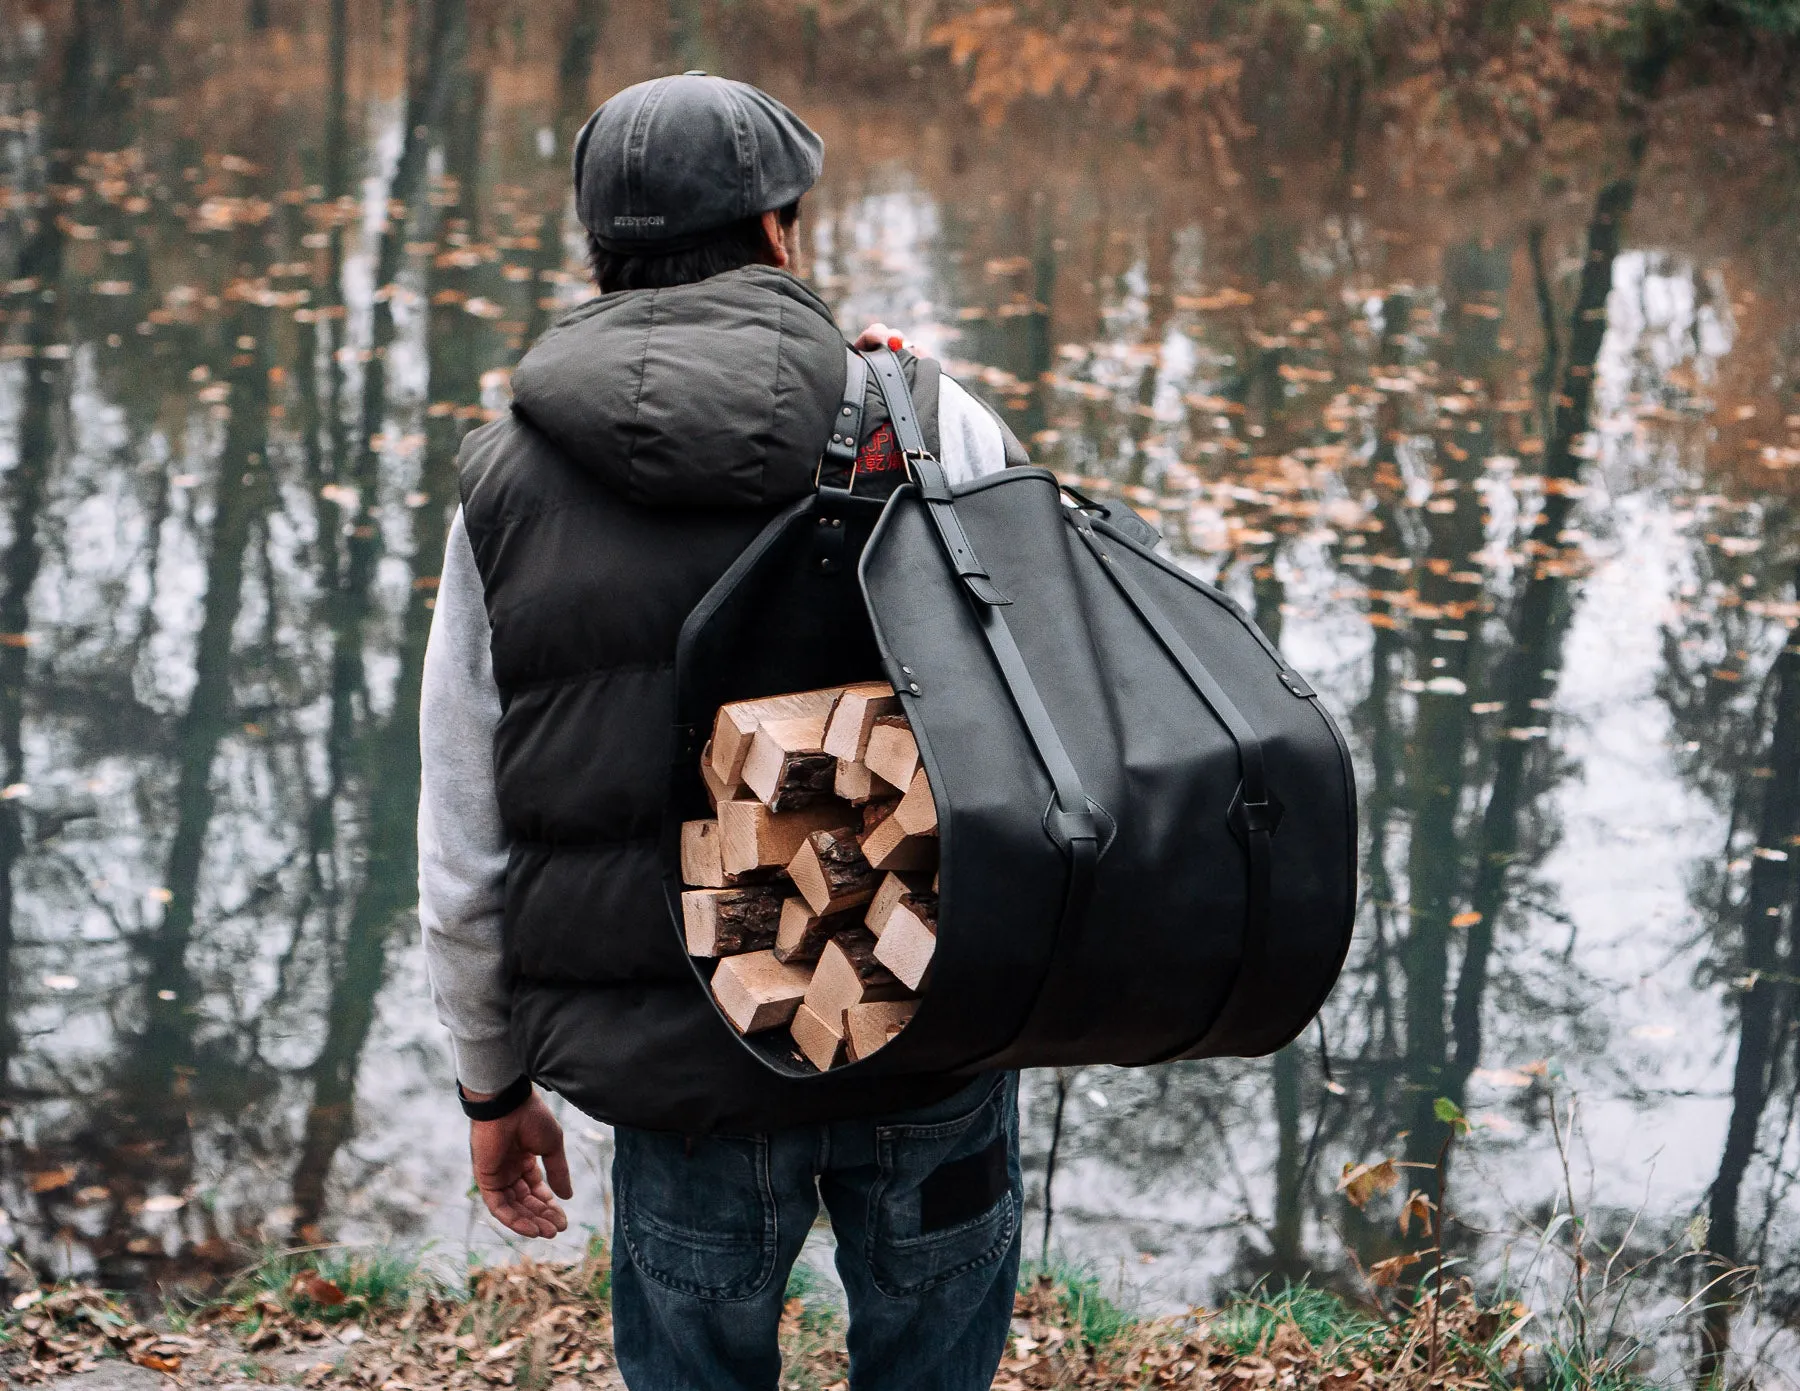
<point x="908" y="940"/>
<point x="857" y="785"/>
<point x="848" y="974"/>
<point x="854" y="715"/>
<point x="802" y="933"/>
<point x="917" y="812"/>
<point x="868" y="1027"/>
<point x="889" y="847"/>
<point x="724" y="922"/>
<point x="831" y="873"/>
<point x="753" y="837"/>
<point x="888" y="893"/>
<point x="703" y="859"/>
<point x="785" y="767"/>
<point x="736" y="725"/>
<point x="874" y="813"/>
<point x="717" y="788"/>
<point x="757" y="992"/>
<point x="892" y="753"/>
<point x="819" y="1043"/>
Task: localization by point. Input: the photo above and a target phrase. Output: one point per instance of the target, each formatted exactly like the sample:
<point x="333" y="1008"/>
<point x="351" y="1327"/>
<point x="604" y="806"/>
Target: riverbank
<point x="380" y="1324"/>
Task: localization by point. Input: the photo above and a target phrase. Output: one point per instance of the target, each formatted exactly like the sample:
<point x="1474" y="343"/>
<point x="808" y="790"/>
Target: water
<point x="1503" y="464"/>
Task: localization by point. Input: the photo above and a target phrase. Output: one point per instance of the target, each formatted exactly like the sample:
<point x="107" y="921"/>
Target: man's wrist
<point x="493" y="1106"/>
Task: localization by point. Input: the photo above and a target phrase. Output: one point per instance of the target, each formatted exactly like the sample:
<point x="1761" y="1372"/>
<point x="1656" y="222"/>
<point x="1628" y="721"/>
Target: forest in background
<point x="1463" y="164"/>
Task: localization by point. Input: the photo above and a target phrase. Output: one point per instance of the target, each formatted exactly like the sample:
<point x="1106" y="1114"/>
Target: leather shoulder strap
<point x="929" y="475"/>
<point x="838" y="463"/>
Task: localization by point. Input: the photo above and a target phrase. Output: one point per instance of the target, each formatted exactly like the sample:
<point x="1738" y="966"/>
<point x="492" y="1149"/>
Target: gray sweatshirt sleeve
<point x="462" y="845"/>
<point x="968" y="438"/>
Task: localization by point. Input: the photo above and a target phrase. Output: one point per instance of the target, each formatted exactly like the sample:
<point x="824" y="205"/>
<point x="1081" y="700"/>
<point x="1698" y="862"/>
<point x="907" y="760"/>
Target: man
<point x="653" y="433"/>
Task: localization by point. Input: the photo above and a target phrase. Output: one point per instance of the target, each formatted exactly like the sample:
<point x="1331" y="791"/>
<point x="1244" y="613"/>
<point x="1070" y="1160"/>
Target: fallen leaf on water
<point x="49" y="1180"/>
<point x="1360" y="1182"/>
<point x="164" y="1202"/>
<point x="1386" y="1274"/>
<point x="1468" y="919"/>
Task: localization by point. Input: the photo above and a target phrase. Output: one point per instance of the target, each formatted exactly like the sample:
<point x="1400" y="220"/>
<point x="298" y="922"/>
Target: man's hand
<point x="504" y="1155"/>
<point x="878" y="336"/>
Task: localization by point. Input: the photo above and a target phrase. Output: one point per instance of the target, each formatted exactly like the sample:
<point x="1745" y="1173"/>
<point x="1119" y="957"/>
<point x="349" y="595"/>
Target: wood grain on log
<point x="717" y="788"/>
<point x="724" y="922"/>
<point x="917" y="812"/>
<point x="802" y="933"/>
<point x="889" y="847"/>
<point x="831" y="873"/>
<point x="857" y="785"/>
<point x="848" y="974"/>
<point x="786" y="768"/>
<point x="888" y="893"/>
<point x="908" y="940"/>
<point x="854" y="715"/>
<point x="702" y="858"/>
<point x="753" y="837"/>
<point x="757" y="992"/>
<point x="871" y="1026"/>
<point x="892" y="753"/>
<point x="819" y="1042"/>
<point x="735" y="725"/>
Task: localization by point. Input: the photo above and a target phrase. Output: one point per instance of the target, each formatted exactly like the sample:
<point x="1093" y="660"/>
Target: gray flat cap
<point x="664" y="164"/>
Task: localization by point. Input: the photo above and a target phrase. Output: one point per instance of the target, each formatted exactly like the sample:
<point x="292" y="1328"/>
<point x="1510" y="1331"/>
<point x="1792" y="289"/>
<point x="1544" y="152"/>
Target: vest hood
<point x="715" y="394"/>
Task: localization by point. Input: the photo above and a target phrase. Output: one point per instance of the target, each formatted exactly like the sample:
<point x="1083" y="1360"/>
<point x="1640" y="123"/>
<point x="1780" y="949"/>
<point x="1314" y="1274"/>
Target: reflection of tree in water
<point x="385" y="757"/>
<point x="1455" y="797"/>
<point x="185" y="1094"/>
<point x="287" y="854"/>
<point x="1732" y="684"/>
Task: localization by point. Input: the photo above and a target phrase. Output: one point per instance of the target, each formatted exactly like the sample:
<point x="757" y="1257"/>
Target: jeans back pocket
<point x="696" y="1216"/>
<point x="946" y="1198"/>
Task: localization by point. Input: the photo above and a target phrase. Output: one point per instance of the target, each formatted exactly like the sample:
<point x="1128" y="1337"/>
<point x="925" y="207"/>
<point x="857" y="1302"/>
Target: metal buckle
<point x="819" y="472"/>
<point x="908" y="455"/>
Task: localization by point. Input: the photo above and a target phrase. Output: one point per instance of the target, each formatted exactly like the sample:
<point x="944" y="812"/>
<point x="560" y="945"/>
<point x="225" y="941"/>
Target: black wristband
<point x="502" y="1103"/>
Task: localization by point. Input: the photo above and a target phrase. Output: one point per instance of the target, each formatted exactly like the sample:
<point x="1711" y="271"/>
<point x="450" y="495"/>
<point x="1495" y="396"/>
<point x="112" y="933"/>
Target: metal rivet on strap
<point x="914" y="688"/>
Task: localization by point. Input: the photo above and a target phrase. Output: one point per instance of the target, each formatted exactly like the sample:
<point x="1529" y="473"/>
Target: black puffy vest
<point x="653" y="433"/>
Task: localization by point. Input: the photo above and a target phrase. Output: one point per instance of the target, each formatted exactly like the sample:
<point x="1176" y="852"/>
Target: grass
<point x="812" y="1335"/>
<point x="1328" y="1323"/>
<point x="329" y="1286"/>
<point x="1075" y="1292"/>
<point x="537" y="1325"/>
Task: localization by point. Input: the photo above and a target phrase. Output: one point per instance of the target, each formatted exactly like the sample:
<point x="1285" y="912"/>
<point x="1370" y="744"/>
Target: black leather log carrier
<point x="1147" y="818"/>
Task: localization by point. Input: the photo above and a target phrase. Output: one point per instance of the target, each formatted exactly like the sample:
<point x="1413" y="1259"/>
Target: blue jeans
<point x="926" y="1208"/>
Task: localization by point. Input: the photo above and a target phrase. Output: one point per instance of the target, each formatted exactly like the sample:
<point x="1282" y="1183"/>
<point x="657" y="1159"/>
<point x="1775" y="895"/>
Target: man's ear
<point x="778" y="251"/>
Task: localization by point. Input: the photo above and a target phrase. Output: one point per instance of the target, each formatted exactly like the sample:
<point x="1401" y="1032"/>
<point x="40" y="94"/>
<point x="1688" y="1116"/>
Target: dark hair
<point x="741" y="243"/>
